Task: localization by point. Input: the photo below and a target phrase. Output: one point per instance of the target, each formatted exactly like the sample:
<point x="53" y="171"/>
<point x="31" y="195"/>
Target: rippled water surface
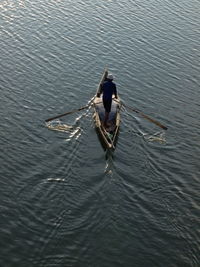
<point x="64" y="201"/>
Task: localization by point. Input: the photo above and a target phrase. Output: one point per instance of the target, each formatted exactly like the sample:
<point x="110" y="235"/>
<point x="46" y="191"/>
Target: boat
<point x="107" y="135"/>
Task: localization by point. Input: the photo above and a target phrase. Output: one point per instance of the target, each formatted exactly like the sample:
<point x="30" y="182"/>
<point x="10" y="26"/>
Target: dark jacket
<point x="108" y="88"/>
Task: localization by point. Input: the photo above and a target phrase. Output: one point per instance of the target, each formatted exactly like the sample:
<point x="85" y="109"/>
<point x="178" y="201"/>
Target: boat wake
<point x="109" y="166"/>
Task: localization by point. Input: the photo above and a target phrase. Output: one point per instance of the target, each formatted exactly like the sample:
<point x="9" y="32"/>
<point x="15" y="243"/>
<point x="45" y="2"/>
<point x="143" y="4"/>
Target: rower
<point x="108" y="88"/>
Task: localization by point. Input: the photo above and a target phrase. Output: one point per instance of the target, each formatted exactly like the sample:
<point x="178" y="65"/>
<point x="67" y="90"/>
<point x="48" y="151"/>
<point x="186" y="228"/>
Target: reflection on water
<point x="109" y="166"/>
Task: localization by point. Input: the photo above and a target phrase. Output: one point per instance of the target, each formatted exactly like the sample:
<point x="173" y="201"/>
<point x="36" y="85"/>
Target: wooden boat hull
<point x="107" y="135"/>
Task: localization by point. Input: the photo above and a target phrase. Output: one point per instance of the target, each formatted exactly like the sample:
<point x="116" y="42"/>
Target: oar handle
<point x="67" y="113"/>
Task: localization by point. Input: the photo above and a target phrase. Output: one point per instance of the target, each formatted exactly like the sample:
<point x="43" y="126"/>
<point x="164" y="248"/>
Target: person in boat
<point x="108" y="89"/>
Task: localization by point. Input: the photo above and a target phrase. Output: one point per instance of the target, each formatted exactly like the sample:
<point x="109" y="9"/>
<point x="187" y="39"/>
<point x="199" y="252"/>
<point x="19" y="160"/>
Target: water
<point x="64" y="201"/>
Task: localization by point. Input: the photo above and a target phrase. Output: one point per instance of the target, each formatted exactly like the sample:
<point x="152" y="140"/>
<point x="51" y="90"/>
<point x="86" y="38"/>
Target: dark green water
<point x="63" y="201"/>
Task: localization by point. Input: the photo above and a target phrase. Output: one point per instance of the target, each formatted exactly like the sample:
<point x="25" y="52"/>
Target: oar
<point x="146" y="117"/>
<point x="67" y="113"/>
<point x="90" y="103"/>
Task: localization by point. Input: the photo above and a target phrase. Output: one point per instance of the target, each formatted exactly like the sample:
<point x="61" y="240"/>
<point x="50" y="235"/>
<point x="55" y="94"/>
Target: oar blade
<point x="153" y="121"/>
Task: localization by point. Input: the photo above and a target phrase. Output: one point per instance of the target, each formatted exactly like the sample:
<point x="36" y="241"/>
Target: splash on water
<point x="157" y="137"/>
<point x="55" y="179"/>
<point x="74" y="131"/>
<point x="56" y="125"/>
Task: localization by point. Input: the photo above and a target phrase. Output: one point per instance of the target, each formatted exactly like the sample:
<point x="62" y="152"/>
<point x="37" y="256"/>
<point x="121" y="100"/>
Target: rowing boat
<point x="107" y="135"/>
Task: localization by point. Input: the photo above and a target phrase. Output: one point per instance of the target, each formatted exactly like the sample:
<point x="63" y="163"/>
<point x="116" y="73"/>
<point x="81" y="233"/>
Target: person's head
<point x="110" y="77"/>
